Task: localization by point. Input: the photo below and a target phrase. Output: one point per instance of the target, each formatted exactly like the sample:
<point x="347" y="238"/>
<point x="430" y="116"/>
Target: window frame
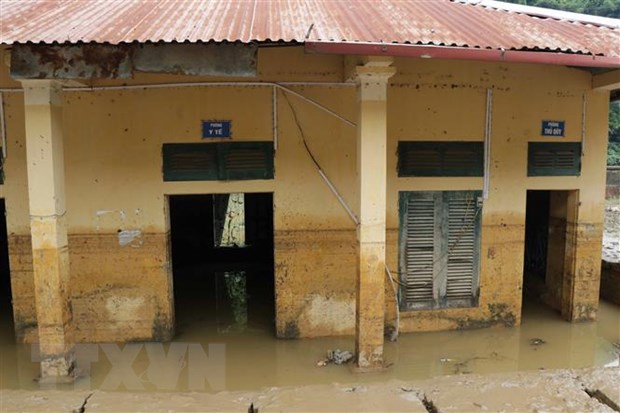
<point x="442" y="148"/>
<point x="217" y="171"/>
<point x="554" y="148"/>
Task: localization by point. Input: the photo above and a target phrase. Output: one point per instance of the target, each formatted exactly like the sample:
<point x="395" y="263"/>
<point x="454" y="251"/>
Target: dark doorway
<point x="223" y="262"/>
<point x="6" y="308"/>
<point x="548" y="253"/>
<point x="536" y="234"/>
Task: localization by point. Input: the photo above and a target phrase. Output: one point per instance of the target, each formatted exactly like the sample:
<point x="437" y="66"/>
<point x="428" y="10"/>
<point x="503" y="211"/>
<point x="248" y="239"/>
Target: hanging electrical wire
<point x="328" y="181"/>
<point x="348" y="209"/>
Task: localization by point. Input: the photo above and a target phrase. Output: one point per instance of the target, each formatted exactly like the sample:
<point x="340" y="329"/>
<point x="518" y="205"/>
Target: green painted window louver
<point x="554" y="159"/>
<point x="220" y="161"/>
<point x="432" y="158"/>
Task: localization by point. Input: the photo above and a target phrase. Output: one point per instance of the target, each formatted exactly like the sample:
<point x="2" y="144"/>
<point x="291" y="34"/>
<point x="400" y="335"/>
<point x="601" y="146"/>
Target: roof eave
<point x="461" y="53"/>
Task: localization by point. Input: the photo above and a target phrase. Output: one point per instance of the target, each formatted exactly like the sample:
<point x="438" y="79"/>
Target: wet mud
<point x="585" y="390"/>
<point x="611" y="235"/>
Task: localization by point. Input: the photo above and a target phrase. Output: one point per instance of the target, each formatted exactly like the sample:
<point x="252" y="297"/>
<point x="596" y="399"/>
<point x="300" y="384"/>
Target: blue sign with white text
<point x="216" y="129"/>
<point x="552" y="128"/>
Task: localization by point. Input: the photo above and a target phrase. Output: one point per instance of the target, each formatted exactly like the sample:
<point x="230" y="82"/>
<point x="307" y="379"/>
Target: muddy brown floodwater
<point x="254" y="359"/>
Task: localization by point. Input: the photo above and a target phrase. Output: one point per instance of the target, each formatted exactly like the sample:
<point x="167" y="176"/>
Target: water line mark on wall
<point x="111" y="218"/>
<point x="128" y="236"/>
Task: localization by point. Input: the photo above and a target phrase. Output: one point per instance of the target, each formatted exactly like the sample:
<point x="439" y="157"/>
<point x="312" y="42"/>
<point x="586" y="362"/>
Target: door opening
<point x="7" y="332"/>
<point x="223" y="262"/>
<point x="548" y="254"/>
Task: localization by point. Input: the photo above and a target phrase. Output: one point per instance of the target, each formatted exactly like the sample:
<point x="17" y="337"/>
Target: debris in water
<point x="537" y="341"/>
<point x="252" y="409"/>
<point x="406" y="389"/>
<point x="446" y="360"/>
<point x="337" y="357"/>
<point x="391" y="333"/>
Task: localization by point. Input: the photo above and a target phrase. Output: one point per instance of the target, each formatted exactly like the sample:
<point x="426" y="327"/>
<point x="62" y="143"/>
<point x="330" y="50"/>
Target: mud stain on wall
<point x="315" y="283"/>
<point x="22" y="287"/>
<point x="118" y="293"/>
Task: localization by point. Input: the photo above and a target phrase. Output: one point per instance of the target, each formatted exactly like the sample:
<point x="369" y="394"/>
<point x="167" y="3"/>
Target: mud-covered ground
<point x="611" y="237"/>
<point x="588" y="390"/>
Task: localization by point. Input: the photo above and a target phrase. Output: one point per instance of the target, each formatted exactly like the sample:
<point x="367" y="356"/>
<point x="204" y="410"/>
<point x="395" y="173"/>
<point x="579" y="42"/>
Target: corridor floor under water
<point x="255" y="359"/>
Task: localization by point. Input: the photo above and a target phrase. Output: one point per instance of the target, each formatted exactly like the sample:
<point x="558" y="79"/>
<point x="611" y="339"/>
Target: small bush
<point x="613" y="154"/>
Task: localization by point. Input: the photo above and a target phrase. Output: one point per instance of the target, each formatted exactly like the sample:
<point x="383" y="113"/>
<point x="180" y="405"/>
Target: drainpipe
<point x="487" y="144"/>
<point x="462" y="53"/>
<point x="2" y="128"/>
<point x="584" y="108"/>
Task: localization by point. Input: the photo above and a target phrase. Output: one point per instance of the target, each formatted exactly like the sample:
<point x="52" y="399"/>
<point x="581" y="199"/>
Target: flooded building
<point x="309" y="167"/>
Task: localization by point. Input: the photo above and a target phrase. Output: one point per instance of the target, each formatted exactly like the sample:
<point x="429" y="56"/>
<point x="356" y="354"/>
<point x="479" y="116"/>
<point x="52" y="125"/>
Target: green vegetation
<point x="613" y="150"/>
<point x="613" y="154"/>
<point x="605" y="8"/>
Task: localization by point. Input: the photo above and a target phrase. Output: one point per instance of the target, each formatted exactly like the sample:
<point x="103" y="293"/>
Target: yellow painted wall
<point x="113" y="170"/>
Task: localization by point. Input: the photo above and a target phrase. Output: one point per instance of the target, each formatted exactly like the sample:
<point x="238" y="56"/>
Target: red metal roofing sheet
<point x="428" y="22"/>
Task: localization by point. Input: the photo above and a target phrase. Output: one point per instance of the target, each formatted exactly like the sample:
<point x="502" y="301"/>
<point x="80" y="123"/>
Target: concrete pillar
<point x="581" y="284"/>
<point x="48" y="227"/>
<point x="569" y="281"/>
<point x="371" y="183"/>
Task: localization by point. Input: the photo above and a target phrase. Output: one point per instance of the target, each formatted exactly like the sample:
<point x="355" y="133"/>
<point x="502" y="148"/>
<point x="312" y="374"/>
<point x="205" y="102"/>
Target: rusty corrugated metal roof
<point x="426" y="22"/>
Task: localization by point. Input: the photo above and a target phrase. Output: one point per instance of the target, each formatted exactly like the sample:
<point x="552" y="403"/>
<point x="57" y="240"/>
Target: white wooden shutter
<point x="463" y="246"/>
<point x="418" y="247"/>
<point x="440" y="246"/>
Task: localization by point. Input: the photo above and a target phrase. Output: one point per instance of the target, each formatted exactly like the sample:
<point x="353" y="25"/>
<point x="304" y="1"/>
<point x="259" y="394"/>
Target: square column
<point x="372" y="186"/>
<point x="581" y="283"/>
<point x="48" y="226"/>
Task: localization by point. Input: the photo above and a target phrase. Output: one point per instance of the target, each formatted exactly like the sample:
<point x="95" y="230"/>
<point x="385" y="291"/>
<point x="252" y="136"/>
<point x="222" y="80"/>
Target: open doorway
<point x="549" y="221"/>
<point x="223" y="262"/>
<point x="6" y="308"/>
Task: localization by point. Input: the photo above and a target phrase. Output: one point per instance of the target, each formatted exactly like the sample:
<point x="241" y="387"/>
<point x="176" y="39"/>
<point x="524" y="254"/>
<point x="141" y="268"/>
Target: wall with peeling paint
<point x="116" y="198"/>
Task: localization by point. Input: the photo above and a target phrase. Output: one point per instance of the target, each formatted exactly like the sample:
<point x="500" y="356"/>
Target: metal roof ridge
<point x="548" y="13"/>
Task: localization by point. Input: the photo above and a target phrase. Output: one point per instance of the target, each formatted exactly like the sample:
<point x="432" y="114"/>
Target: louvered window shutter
<point x="226" y="161"/>
<point x="190" y="162"/>
<point x="554" y="159"/>
<point x="418" y="247"/>
<point x="463" y="247"/>
<point x="440" y="243"/>
<point x="246" y="160"/>
<point x="432" y="158"/>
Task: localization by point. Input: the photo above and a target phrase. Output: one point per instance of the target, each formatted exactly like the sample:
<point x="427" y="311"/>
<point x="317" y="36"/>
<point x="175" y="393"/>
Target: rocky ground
<point x="587" y="390"/>
<point x="611" y="237"/>
<point x="610" y="270"/>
